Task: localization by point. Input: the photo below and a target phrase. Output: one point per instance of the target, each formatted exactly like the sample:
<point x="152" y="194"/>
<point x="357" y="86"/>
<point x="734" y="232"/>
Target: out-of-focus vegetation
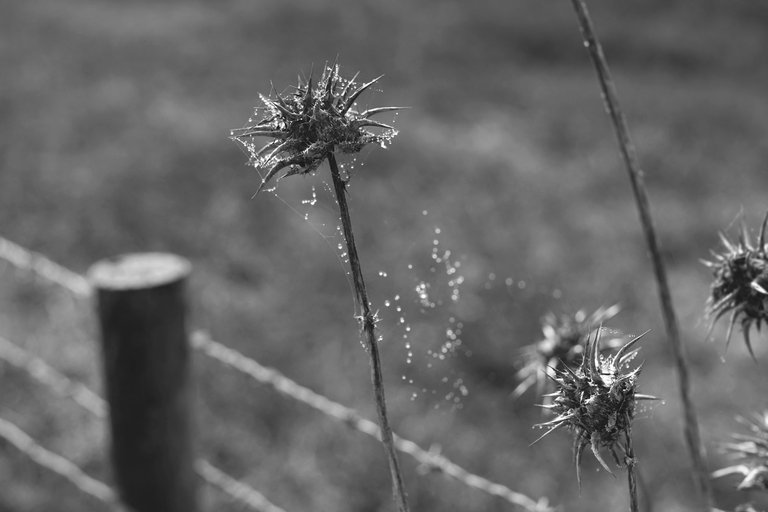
<point x="115" y="118"/>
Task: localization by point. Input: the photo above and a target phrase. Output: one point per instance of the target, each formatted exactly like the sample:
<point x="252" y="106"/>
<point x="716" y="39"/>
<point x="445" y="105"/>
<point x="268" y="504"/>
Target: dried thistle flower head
<point x="746" y="507"/>
<point x="563" y="344"/>
<point x="306" y="125"/>
<point x="750" y="451"/>
<point x="597" y="402"/>
<point x="741" y="284"/>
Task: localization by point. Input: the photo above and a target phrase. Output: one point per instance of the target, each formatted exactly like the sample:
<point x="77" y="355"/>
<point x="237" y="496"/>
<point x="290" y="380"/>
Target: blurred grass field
<point x="115" y="117"/>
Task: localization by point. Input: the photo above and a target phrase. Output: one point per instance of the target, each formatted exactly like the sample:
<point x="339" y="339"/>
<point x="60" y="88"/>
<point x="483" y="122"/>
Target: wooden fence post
<point x="145" y="355"/>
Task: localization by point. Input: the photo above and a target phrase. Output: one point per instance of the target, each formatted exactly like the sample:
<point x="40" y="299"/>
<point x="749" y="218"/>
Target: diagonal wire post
<point x="629" y="156"/>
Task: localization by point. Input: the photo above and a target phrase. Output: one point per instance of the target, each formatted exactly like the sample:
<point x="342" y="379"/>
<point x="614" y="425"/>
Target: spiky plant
<point x="310" y="123"/>
<point x="746" y="507"/>
<point x="740" y="286"/>
<point x="597" y="402"/>
<point x="308" y="126"/>
<point x="750" y="452"/>
<point x="562" y="344"/>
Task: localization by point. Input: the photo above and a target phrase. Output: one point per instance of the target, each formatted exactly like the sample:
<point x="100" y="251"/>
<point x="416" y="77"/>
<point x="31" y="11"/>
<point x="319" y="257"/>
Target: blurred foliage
<point x="115" y="117"/>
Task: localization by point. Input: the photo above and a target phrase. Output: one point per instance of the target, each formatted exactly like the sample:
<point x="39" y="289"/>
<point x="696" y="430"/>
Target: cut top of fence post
<point x="139" y="271"/>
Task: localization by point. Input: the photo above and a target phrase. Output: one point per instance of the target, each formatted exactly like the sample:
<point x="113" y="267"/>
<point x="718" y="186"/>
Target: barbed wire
<point x="51" y="378"/>
<point x="59" y="465"/>
<point x="235" y="489"/>
<point x="58" y="383"/>
<point x="429" y="460"/>
<point x="44" y="267"/>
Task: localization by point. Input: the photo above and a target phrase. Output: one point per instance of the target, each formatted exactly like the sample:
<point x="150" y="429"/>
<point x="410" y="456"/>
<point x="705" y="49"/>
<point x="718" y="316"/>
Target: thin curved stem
<point x="631" y="476"/>
<point x="629" y="155"/>
<point x="369" y="323"/>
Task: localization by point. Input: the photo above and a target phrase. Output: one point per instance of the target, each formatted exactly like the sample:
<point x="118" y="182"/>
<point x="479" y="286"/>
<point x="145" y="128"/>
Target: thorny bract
<point x="741" y="284"/>
<point x="310" y="123"/>
<point x="562" y="344"/>
<point x="750" y="452"/>
<point x="597" y="402"/>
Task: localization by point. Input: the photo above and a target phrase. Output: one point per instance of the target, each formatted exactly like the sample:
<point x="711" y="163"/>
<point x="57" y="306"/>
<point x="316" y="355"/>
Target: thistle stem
<point x="631" y="476"/>
<point x="629" y="155"/>
<point x="368" y="321"/>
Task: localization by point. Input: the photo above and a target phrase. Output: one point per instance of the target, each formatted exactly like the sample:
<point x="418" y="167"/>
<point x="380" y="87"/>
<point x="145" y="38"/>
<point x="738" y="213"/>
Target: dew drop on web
<point x="429" y="326"/>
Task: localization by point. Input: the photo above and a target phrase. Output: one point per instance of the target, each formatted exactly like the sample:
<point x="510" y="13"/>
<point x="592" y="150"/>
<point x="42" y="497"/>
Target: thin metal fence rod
<point x="54" y="380"/>
<point x="44" y="267"/>
<point x="57" y="383"/>
<point x="235" y="489"/>
<point x="428" y="459"/>
<point x="59" y="465"/>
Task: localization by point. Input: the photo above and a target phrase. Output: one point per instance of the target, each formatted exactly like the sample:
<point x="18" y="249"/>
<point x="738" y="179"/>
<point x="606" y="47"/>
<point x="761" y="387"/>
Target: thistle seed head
<point x="563" y="344"/>
<point x="597" y="402"/>
<point x="740" y="285"/>
<point x="746" y="507"/>
<point x="750" y="452"/>
<point x="309" y="123"/>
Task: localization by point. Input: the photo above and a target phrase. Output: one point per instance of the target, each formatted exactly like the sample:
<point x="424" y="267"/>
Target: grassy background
<point x="115" y="118"/>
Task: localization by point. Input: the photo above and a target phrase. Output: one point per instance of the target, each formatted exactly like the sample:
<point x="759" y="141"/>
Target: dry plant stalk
<point x="308" y="126"/>
<point x="629" y="155"/>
